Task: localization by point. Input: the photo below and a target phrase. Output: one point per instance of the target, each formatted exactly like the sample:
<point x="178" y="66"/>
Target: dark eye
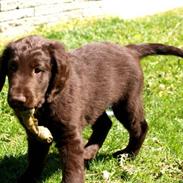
<point x="37" y="70"/>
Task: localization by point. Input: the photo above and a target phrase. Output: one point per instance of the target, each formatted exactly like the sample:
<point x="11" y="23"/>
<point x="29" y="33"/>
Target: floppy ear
<point x="4" y="66"/>
<point x="60" y="69"/>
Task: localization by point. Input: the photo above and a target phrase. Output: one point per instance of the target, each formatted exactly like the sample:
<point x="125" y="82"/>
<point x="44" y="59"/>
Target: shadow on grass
<point x="12" y="167"/>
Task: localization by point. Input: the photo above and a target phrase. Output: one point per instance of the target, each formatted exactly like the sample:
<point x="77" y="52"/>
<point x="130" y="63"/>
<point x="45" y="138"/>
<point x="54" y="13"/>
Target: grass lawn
<point x="161" y="157"/>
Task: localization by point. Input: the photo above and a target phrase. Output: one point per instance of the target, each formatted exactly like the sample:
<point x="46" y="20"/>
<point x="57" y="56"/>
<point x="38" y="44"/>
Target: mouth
<point x="28" y="112"/>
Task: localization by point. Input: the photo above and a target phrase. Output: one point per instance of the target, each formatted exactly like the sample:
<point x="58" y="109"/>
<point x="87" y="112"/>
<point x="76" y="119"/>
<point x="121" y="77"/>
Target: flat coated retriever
<point x="69" y="90"/>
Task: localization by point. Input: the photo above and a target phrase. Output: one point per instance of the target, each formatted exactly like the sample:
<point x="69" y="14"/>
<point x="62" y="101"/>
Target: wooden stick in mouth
<point x="31" y="124"/>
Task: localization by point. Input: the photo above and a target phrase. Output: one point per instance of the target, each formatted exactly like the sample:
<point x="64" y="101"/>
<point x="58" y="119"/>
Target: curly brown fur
<point x="72" y="89"/>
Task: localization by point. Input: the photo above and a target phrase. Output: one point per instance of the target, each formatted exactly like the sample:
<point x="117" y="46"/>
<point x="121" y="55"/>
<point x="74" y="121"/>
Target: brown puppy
<point x="72" y="89"/>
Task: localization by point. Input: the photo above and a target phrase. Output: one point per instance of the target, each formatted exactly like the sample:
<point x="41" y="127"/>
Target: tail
<point x="155" y="49"/>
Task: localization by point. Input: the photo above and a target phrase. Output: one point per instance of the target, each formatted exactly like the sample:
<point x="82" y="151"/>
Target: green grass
<point x="161" y="157"/>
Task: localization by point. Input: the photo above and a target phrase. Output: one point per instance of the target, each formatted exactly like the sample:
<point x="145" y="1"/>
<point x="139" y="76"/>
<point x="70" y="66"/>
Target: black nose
<point x="17" y="101"/>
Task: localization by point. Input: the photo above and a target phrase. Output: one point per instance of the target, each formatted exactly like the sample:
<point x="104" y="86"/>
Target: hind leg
<point x="130" y="114"/>
<point x="100" y="131"/>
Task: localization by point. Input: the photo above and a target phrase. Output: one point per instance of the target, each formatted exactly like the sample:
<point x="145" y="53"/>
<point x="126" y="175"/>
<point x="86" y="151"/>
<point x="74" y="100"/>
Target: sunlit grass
<point x="161" y="157"/>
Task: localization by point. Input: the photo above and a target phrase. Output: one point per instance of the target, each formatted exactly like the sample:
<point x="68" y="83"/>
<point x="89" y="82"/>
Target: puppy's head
<point x="37" y="70"/>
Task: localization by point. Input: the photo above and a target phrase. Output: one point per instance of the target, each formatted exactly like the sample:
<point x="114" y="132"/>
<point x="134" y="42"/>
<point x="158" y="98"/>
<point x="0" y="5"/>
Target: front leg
<point x="71" y="150"/>
<point x="37" y="153"/>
